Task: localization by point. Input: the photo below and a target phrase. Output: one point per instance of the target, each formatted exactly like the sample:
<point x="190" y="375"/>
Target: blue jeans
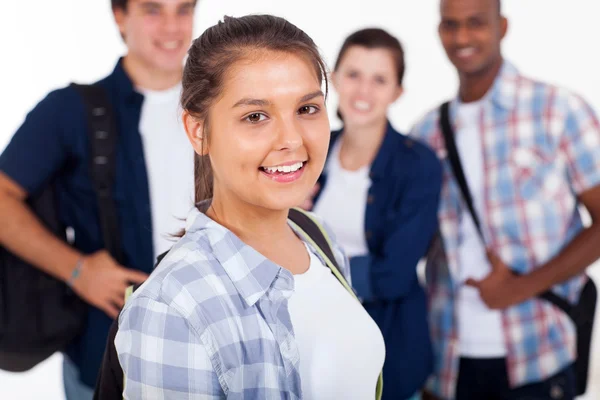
<point x="74" y="388"/>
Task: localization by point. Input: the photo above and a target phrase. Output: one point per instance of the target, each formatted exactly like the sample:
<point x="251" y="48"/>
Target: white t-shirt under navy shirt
<point x="343" y="203"/>
<point x="169" y="164"/>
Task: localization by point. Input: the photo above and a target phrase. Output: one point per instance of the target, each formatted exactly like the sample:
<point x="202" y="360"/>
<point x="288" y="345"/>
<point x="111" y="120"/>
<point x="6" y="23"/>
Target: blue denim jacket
<point x="400" y="221"/>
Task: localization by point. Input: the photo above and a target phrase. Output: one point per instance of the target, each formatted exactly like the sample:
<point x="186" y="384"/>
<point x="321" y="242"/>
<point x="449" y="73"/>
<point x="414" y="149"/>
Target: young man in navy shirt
<point x="153" y="179"/>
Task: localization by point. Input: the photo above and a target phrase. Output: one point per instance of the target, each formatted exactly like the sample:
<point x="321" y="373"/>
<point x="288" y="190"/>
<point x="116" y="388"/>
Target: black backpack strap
<point x="315" y="231"/>
<point x="456" y="165"/>
<point x="457" y="170"/>
<point x="103" y="136"/>
<point x="309" y="226"/>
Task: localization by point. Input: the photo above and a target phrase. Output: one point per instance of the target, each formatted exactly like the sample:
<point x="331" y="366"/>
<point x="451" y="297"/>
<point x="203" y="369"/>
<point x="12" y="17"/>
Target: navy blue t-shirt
<point x="53" y="143"/>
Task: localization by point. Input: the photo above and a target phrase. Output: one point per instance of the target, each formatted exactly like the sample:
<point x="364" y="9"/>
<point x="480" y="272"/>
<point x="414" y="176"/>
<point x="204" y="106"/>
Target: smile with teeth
<point x="362" y="105"/>
<point x="466" y="52"/>
<point x="172" y="45"/>
<point x="283" y="169"/>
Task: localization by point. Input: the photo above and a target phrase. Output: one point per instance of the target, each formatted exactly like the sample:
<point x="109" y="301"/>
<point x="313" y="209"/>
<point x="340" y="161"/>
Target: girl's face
<point x="268" y="133"/>
<point x="367" y="84"/>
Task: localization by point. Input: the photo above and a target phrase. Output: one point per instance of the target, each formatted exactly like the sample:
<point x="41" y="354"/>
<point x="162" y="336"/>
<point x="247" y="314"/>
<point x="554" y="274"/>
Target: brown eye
<point x="307" y="110"/>
<point x="255" y="117"/>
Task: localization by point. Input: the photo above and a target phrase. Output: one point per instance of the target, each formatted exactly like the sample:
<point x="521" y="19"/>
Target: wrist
<point x="75" y="272"/>
<point x="528" y="286"/>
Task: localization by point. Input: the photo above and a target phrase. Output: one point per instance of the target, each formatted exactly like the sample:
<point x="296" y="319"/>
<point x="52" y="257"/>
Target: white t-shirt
<point x="341" y="348"/>
<point x="343" y="203"/>
<point x="480" y="329"/>
<point x="169" y="164"/>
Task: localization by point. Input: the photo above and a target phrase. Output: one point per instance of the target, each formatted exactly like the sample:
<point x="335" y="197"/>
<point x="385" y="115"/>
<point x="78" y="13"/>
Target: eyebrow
<point x="264" y="103"/>
<point x="150" y="4"/>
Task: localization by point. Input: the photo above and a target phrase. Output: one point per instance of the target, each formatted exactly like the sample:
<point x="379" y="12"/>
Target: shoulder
<point x="58" y="104"/>
<point x="417" y="156"/>
<point x="554" y="98"/>
<point x="190" y="282"/>
<point x="566" y="110"/>
<point x="426" y="127"/>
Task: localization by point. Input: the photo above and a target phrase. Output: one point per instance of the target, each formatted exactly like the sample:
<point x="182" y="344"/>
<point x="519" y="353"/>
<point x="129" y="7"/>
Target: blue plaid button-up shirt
<point x="541" y="147"/>
<point x="211" y="322"/>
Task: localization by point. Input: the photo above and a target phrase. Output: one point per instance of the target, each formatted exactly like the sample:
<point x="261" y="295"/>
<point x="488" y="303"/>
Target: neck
<point x="150" y="78"/>
<point x="474" y="86"/>
<point x="360" y="145"/>
<point x="256" y="226"/>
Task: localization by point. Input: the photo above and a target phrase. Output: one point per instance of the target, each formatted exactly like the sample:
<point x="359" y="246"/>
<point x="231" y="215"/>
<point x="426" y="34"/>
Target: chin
<point x="284" y="201"/>
<point x="469" y="69"/>
<point x="168" y="65"/>
<point x="362" y="120"/>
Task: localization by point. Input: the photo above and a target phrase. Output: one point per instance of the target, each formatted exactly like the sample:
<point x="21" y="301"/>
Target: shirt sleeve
<point x="162" y="356"/>
<point x="38" y="149"/>
<point x="425" y="128"/>
<point x="581" y="145"/>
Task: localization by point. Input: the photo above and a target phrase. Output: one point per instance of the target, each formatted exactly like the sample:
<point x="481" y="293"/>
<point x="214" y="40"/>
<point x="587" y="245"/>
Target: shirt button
<point x="368" y="234"/>
<point x="370" y="199"/>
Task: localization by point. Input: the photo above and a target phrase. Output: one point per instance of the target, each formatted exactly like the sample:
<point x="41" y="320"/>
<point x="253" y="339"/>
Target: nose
<point x="170" y="23"/>
<point x="289" y="135"/>
<point x="461" y="36"/>
<point x="364" y="87"/>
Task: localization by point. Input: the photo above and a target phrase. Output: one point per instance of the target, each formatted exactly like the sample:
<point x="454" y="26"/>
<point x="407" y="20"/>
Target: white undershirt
<point x="341" y="348"/>
<point x="169" y="164"/>
<point x="480" y="329"/>
<point x="343" y="202"/>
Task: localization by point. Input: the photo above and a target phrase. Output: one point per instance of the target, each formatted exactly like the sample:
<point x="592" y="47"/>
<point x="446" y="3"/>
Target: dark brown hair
<point x="122" y="4"/>
<point x="216" y="50"/>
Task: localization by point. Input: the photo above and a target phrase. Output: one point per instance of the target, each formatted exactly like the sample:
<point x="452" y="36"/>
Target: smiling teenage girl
<point x="379" y="194"/>
<point x="243" y="306"/>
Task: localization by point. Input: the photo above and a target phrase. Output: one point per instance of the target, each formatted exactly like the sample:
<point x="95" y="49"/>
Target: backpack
<point x="581" y="313"/>
<point x="110" y="382"/>
<point x="39" y="314"/>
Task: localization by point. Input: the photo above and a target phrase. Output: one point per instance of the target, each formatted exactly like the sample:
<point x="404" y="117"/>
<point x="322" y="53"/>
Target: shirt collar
<point x="504" y="91"/>
<point x="123" y="83"/>
<point x="252" y="274"/>
<point x="385" y="152"/>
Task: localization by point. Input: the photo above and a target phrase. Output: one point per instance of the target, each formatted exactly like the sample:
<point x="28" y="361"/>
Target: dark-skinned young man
<point x="531" y="155"/>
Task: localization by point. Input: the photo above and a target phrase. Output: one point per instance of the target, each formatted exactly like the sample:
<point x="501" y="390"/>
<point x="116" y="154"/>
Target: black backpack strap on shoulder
<point x="314" y="231"/>
<point x="459" y="174"/>
<point x="456" y="165"/>
<point x="103" y="136"/>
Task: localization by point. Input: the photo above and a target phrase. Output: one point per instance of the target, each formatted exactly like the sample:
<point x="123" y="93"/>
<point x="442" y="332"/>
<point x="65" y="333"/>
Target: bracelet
<point x="75" y="273"/>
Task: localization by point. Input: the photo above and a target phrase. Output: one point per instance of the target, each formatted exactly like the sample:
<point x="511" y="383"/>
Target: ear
<point x="120" y="15"/>
<point x="194" y="129"/>
<point x="399" y="91"/>
<point x="503" y="26"/>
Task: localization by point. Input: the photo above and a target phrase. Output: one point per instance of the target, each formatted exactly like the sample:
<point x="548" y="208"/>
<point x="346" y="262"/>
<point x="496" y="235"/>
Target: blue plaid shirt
<point x="212" y="322"/>
<point x="541" y="147"/>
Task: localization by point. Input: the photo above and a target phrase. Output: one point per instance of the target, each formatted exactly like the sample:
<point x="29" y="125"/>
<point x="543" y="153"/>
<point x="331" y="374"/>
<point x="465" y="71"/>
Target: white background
<point x="48" y="43"/>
